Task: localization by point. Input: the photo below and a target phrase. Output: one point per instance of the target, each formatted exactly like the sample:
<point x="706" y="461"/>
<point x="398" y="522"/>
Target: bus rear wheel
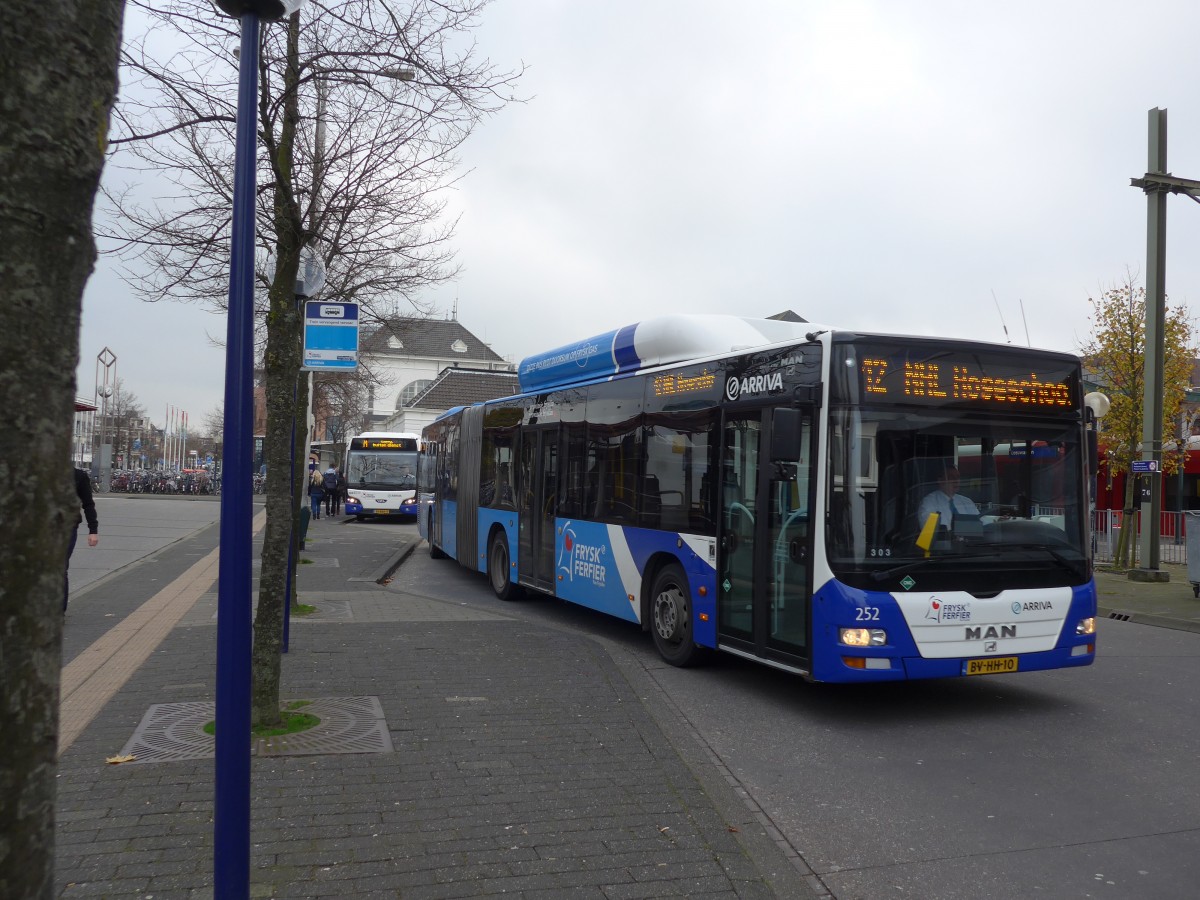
<point x="671" y="617"/>
<point x="498" y="566"/>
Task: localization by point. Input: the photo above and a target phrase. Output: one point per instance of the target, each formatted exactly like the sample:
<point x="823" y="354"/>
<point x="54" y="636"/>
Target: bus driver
<point x="946" y="501"/>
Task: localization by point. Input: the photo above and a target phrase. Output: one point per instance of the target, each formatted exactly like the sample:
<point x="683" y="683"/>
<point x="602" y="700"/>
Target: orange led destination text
<point x="926" y="380"/>
<point x="665" y="385"/>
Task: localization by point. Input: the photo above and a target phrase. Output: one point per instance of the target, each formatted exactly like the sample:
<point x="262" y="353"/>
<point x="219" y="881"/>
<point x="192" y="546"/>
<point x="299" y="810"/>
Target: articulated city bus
<point x="381" y="474"/>
<point x="781" y="492"/>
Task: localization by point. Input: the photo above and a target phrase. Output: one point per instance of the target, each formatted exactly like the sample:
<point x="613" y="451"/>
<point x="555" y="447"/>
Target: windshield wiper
<point x="941" y="558"/>
<point x="1070" y="565"/>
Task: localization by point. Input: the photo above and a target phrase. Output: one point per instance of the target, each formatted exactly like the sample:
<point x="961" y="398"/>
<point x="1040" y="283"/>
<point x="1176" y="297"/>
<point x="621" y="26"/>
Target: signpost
<point x="330" y="336"/>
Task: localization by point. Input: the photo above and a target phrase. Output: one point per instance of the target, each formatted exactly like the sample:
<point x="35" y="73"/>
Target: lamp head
<point x="268" y="10"/>
<point x="1098" y="403"/>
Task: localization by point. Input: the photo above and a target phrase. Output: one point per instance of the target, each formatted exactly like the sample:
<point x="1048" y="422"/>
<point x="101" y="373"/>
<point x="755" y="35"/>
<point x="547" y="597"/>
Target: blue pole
<point x="231" y="813"/>
<point x="291" y="570"/>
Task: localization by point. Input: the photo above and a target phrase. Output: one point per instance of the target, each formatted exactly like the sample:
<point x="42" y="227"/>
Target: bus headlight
<point x="862" y="637"/>
<point x="1086" y="626"/>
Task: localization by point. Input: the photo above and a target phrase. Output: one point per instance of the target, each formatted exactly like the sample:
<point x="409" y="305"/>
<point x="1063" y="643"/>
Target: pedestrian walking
<point x="316" y="492"/>
<point x="87" y="507"/>
<point x="330" y="483"/>
<point x="342" y="488"/>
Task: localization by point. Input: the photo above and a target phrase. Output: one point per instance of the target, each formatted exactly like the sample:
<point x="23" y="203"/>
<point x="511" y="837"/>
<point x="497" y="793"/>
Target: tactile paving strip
<point x="175" y="731"/>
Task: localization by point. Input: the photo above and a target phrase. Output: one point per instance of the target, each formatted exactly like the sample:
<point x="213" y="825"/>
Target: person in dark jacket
<point x="83" y="489"/>
<point x="342" y="487"/>
<point x="331" y="491"/>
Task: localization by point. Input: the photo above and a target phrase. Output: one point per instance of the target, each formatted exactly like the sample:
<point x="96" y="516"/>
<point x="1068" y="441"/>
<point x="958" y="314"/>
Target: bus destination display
<point x="671" y="384"/>
<point x="989" y="381"/>
<point x="384" y="444"/>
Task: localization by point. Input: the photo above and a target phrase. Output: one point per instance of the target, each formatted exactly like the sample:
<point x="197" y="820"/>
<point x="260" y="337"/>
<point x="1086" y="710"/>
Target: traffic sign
<point x="1145" y="465"/>
<point x="330" y="335"/>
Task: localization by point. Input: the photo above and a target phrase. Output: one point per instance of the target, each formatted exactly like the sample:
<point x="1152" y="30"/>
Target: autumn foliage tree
<point x="1115" y="357"/>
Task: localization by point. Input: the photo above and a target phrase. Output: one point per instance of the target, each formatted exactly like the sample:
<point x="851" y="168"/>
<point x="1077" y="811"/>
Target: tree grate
<point x="171" y="732"/>
<point x="327" y="611"/>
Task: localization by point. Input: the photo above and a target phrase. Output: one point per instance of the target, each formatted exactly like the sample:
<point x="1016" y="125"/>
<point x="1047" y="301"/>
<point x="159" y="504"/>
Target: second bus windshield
<point x="382" y="470"/>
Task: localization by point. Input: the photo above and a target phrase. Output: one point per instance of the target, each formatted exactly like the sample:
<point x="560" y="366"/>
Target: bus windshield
<point x="938" y="498"/>
<point x="382" y="470"/>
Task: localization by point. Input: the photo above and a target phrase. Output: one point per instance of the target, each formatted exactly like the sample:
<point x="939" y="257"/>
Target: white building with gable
<point x="407" y="355"/>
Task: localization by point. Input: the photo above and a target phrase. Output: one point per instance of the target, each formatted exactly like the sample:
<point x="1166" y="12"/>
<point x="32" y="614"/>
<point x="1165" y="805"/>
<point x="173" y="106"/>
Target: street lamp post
<point x="231" y="806"/>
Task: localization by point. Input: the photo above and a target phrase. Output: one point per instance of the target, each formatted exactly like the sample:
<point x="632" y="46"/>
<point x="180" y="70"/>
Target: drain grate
<point x="1123" y="617"/>
<point x="170" y="732"/>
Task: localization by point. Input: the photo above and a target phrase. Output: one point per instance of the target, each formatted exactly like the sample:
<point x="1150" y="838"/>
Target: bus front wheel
<point x="498" y="566"/>
<point x="671" y="617"/>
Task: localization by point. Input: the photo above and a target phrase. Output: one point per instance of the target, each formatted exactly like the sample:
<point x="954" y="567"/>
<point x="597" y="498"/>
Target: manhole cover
<point x="175" y="731"/>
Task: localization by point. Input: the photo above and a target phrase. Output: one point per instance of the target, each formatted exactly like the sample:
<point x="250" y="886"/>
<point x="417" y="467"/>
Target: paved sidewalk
<point x="525" y="761"/>
<point x="1169" y="605"/>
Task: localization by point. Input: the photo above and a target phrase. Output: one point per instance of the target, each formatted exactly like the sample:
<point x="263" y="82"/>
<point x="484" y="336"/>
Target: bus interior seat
<point x="651" y="502"/>
<point x="890" y="498"/>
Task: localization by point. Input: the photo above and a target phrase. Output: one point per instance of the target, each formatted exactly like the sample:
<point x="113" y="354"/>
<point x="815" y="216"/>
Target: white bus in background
<point x="381" y="474"/>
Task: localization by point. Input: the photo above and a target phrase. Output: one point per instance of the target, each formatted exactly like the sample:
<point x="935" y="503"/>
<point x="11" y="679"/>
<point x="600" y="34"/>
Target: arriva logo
<point x="753" y="384"/>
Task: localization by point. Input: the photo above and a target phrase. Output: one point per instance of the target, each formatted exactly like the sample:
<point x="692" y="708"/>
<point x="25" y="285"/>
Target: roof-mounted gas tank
<point x="655" y="342"/>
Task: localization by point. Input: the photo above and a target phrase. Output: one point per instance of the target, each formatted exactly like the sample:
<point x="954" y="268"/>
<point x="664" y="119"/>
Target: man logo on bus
<point x="753" y="384"/>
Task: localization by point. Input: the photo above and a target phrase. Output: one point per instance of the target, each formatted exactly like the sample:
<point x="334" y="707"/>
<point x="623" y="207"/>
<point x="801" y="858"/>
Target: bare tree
<point x="362" y="107"/>
<point x="119" y="423"/>
<point x="60" y="69"/>
<point x="342" y="404"/>
<point x="214" y="422"/>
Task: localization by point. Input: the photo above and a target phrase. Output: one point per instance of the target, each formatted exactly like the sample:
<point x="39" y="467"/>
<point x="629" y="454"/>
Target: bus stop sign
<point x="330" y="336"/>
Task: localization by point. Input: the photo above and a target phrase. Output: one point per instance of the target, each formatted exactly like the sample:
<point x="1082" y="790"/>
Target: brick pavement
<point x="526" y="762"/>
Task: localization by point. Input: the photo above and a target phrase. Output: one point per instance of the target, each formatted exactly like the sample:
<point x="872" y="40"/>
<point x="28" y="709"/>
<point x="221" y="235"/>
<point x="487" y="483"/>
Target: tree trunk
<point x="1124" y="556"/>
<point x="282" y="366"/>
<point x="58" y="67"/>
<point x="299" y="474"/>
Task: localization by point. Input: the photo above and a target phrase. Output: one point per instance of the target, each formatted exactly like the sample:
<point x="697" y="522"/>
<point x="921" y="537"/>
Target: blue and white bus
<point x="753" y="487"/>
<point x="381" y="474"/>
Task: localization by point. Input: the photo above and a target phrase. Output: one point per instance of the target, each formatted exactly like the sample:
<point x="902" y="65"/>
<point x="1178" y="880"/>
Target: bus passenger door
<point x="537" y="506"/>
<point x="764" y="579"/>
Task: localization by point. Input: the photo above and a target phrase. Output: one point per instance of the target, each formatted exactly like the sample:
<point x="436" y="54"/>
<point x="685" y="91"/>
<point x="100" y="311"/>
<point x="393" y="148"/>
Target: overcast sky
<point x="918" y="167"/>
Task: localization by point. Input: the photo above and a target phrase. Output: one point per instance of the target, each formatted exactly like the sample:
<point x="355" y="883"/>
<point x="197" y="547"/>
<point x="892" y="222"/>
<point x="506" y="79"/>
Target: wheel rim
<point x="669" y="613"/>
